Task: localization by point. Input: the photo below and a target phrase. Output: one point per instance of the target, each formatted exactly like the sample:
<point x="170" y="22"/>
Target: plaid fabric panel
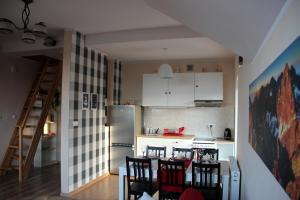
<point x="117" y="82"/>
<point x="88" y="74"/>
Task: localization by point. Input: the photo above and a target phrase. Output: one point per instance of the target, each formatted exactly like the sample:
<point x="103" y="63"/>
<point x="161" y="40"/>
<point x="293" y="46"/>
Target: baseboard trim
<point x="83" y="187"/>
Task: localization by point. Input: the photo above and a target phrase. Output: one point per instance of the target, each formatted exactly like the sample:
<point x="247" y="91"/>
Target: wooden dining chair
<point x="212" y="153"/>
<point x="139" y="177"/>
<point x="159" y="152"/>
<point x="206" y="177"/>
<point x="186" y="153"/>
<point x="171" y="179"/>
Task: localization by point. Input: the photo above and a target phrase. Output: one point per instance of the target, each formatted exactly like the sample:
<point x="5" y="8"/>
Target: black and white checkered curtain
<point x="117" y="82"/>
<point x="88" y="75"/>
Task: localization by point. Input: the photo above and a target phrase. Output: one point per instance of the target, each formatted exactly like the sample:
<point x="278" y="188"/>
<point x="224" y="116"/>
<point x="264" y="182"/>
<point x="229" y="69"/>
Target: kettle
<point x="227" y="134"/>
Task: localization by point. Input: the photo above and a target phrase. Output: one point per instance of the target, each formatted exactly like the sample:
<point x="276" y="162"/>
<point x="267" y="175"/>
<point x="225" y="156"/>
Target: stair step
<point x="30" y="125"/>
<point x="52" y="66"/>
<point x="34" y="117"/>
<point x="51" y="73"/>
<point x="16" y="157"/>
<point x="41" y="97"/>
<point x="25" y="146"/>
<point x="27" y="136"/>
<point x="47" y="81"/>
<point x="42" y="91"/>
<point x="34" y="108"/>
<point x="13" y="147"/>
<point x="13" y="167"/>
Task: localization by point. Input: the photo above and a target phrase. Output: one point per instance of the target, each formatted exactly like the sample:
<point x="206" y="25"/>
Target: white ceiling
<point x="239" y="25"/>
<point x="185" y="48"/>
<point x="89" y="16"/>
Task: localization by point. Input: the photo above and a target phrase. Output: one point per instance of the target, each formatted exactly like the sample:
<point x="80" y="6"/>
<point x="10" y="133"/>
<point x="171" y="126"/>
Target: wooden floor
<point x="106" y="189"/>
<point x="44" y="184"/>
<point x="41" y="184"/>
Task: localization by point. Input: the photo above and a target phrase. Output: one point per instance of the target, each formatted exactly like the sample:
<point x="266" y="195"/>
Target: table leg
<point x="225" y="182"/>
<point x="121" y="187"/>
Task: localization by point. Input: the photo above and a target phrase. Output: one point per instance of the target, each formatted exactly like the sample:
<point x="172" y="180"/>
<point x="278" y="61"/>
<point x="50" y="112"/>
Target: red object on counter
<point x="181" y="130"/>
<point x="173" y="132"/>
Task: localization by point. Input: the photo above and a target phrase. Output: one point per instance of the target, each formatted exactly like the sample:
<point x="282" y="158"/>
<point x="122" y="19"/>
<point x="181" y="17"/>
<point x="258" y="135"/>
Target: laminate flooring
<point x="42" y="183"/>
<point x="106" y="189"/>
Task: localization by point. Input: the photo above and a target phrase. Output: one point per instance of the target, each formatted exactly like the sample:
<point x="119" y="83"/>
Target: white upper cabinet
<point x="181" y="90"/>
<point x="155" y="90"/>
<point x="209" y="86"/>
<point x="178" y="91"/>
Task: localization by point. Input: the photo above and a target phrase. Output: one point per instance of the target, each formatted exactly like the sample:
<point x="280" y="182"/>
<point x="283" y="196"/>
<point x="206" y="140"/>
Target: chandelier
<point x="29" y="36"/>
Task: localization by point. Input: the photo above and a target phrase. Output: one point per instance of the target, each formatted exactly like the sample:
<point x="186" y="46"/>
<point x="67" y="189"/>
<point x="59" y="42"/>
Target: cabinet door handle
<point x="169" y="92"/>
<point x="166" y="93"/>
<point x="197" y="85"/>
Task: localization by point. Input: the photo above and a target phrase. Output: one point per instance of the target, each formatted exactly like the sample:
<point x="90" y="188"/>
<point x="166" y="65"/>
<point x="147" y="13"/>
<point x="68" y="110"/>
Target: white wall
<point x="195" y="120"/>
<point x="14" y="87"/>
<point x="257" y="181"/>
<point x="132" y="76"/>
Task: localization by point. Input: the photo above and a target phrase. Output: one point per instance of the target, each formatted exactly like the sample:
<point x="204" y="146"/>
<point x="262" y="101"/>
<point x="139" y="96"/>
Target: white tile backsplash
<point x="195" y="120"/>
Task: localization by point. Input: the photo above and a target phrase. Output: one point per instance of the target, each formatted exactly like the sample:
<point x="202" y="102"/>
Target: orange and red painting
<point x="274" y="118"/>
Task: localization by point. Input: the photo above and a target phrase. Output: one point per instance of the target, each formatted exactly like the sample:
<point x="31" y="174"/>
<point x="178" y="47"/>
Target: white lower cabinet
<point x="226" y="149"/>
<point x="142" y="143"/>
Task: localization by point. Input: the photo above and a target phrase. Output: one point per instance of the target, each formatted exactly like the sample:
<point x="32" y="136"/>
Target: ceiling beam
<point x="146" y="34"/>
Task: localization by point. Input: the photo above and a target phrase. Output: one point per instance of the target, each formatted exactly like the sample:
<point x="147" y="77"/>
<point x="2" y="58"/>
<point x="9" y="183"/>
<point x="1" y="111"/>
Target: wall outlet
<point x="211" y="125"/>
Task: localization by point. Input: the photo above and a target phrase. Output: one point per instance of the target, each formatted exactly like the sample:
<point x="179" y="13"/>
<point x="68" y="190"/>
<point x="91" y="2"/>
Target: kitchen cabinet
<point x="154" y="90"/>
<point x="181" y="92"/>
<point x="169" y="142"/>
<point x="226" y="149"/>
<point x="209" y="86"/>
<point x="178" y="91"/>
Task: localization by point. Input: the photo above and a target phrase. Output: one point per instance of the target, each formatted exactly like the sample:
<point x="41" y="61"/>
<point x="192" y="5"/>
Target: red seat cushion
<point x="191" y="193"/>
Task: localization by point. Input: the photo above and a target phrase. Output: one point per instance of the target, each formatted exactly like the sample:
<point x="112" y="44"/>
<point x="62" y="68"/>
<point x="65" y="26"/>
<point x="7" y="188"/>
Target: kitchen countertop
<point x="184" y="137"/>
<point x="223" y="141"/>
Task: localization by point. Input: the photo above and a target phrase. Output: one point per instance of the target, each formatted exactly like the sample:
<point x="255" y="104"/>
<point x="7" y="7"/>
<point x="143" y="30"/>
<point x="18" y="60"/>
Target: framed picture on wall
<point x="274" y="118"/>
<point x="85" y="101"/>
<point x="94" y="101"/>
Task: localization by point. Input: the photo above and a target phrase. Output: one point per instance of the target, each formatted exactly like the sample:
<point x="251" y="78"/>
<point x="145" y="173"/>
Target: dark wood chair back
<point x="171" y="179"/>
<point x="159" y="152"/>
<point x="185" y="152"/>
<point x="206" y="177"/>
<point x="138" y="177"/>
<point x="213" y="153"/>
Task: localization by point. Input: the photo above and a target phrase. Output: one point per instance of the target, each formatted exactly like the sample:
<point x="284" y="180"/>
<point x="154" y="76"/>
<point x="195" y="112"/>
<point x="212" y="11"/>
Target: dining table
<point x="224" y="171"/>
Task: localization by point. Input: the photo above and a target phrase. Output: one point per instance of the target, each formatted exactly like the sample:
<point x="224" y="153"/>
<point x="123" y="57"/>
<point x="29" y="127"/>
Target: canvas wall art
<point x="274" y="118"/>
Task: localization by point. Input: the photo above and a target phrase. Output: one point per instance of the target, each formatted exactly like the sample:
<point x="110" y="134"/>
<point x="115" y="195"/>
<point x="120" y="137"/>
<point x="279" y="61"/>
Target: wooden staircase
<point x="29" y="129"/>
